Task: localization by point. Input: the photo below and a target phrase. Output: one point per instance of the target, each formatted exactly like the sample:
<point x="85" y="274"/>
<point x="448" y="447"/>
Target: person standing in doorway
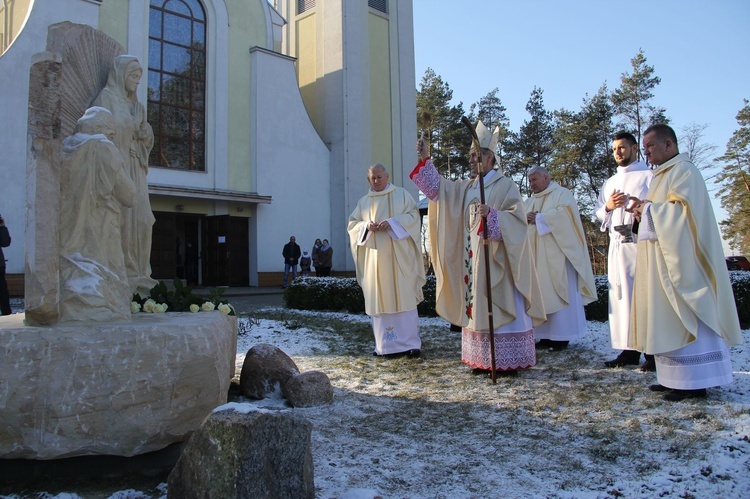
<point x="4" y="243"/>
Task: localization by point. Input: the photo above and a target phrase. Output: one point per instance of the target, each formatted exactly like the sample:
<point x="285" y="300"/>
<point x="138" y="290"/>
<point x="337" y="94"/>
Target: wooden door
<point x="215" y="254"/>
<point x="163" y="255"/>
<point x="238" y="252"/>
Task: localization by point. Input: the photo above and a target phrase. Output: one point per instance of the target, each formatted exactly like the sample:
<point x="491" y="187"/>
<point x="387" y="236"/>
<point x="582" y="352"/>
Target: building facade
<point x="265" y="115"/>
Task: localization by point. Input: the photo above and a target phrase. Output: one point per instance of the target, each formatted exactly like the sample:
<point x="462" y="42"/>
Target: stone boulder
<point x="121" y="389"/>
<point x="308" y="389"/>
<point x="254" y="455"/>
<point x="265" y="370"/>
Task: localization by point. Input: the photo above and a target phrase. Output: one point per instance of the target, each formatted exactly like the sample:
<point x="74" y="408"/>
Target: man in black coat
<point x="291" y="254"/>
<point x="4" y="243"/>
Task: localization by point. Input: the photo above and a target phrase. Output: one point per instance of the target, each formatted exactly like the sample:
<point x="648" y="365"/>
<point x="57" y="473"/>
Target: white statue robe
<point x="633" y="180"/>
<point x="94" y="191"/>
<point x="134" y="138"/>
<point x="562" y="263"/>
<point x="683" y="306"/>
<point x="461" y="275"/>
<point x="389" y="267"/>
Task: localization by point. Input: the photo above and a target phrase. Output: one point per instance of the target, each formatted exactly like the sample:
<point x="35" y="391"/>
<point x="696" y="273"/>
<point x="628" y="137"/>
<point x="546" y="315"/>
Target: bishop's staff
<point x="485" y="242"/>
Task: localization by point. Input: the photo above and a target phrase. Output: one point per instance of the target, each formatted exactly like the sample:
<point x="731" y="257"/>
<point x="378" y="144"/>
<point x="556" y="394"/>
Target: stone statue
<point x="134" y="138"/>
<point x="94" y="193"/>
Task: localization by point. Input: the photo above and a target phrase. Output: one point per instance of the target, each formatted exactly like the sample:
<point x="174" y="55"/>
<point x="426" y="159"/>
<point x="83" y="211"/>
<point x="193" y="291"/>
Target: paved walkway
<point x="245" y="299"/>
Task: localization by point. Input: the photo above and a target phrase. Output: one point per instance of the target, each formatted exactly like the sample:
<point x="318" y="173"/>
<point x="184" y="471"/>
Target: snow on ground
<point x="567" y="428"/>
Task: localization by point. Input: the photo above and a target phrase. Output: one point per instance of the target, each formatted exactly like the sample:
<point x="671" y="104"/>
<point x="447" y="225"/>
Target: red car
<point x="738" y="263"/>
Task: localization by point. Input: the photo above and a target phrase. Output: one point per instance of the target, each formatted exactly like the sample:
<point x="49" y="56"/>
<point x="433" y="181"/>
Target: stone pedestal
<point x="113" y="389"/>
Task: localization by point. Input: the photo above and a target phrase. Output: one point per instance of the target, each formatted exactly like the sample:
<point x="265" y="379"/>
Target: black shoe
<point x="543" y="343"/>
<point x="626" y="358"/>
<point x="412" y="354"/>
<point x="558" y="346"/>
<point x="659" y="388"/>
<point x="649" y="366"/>
<point x="677" y="395"/>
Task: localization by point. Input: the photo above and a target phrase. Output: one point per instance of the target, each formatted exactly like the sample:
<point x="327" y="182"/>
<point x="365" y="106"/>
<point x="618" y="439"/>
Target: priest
<point x="457" y="247"/>
<point x="384" y="237"/>
<point x="563" y="266"/>
<point x="683" y="307"/>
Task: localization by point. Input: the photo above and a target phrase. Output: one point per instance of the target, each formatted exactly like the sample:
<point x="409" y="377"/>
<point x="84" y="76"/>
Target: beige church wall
<point x="291" y="162"/>
<point x="15" y="65"/>
<point x="380" y="92"/>
<point x="403" y="93"/>
<point x="307" y="64"/>
<point x="247" y="29"/>
<point x="169" y="204"/>
<point x="13" y="15"/>
<point x="113" y="20"/>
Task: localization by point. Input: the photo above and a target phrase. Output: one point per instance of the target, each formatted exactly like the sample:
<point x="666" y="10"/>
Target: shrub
<point x="740" y="280"/>
<point x="599" y="310"/>
<point x="344" y="294"/>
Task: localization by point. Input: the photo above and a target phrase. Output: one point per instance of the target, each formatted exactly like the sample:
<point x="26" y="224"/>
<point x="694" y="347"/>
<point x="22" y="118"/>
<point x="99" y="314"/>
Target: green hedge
<point x="344" y="294"/>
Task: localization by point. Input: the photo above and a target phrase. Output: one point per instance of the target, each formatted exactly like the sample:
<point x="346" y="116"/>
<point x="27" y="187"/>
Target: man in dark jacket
<point x="4" y="243"/>
<point x="291" y="254"/>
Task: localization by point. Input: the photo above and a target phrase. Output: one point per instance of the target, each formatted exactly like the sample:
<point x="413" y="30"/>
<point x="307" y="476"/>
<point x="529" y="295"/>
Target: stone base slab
<point x="118" y="389"/>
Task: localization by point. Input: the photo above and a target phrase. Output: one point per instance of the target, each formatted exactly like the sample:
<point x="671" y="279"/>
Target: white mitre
<point x="488" y="140"/>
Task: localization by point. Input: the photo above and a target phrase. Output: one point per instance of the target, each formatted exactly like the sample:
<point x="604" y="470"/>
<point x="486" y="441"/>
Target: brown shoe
<point x="626" y="358"/>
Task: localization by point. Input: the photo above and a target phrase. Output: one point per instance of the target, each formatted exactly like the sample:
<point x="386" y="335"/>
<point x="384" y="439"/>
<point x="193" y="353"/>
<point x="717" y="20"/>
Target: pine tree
<point x="533" y="144"/>
<point x="734" y="179"/>
<point x="632" y="99"/>
<point x="440" y="124"/>
<point x="491" y="111"/>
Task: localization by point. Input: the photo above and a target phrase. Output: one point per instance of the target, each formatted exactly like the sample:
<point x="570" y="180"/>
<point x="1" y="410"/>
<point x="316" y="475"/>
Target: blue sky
<point x="699" y="48"/>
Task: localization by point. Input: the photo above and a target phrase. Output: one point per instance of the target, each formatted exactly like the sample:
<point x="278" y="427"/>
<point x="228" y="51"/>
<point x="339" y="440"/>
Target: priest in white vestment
<point x="683" y="306"/>
<point x="384" y="237"/>
<point x="561" y="255"/>
<point x="631" y="179"/>
<point x="457" y="249"/>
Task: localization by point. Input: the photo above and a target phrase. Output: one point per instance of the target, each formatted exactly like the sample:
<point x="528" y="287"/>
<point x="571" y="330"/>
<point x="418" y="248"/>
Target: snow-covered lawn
<point x="567" y="428"/>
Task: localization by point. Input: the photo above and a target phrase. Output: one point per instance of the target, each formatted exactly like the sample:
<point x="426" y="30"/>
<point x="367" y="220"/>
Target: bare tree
<point x="700" y="153"/>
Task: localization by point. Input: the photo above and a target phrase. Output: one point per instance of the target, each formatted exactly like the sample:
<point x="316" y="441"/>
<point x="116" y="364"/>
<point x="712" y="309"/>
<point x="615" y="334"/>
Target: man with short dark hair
<point x="291" y="254"/>
<point x="683" y="306"/>
<point x="631" y="179"/>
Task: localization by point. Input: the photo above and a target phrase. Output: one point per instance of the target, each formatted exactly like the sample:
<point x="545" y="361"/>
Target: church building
<point x="266" y="115"/>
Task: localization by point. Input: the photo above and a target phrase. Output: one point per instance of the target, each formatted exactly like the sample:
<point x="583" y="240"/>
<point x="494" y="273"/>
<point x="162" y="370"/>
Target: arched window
<point x="177" y="84"/>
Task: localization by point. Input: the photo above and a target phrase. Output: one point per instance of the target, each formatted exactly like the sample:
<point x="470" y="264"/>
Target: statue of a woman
<point x="134" y="138"/>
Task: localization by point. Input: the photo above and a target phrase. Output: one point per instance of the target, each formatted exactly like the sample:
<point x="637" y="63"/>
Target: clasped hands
<point x="374" y="227"/>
